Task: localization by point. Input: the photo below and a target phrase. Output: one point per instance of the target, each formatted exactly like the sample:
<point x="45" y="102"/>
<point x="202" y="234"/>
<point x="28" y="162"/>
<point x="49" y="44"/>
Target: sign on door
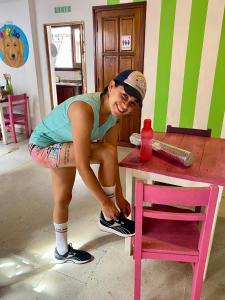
<point x="125" y="42"/>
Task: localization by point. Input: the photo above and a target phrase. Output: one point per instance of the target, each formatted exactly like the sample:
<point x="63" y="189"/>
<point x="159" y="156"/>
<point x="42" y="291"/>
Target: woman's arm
<point x="81" y="116"/>
<point x="112" y="137"/>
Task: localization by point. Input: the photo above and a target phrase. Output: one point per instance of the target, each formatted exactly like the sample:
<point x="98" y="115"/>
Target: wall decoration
<point x="185" y="46"/>
<point x="14" y="48"/>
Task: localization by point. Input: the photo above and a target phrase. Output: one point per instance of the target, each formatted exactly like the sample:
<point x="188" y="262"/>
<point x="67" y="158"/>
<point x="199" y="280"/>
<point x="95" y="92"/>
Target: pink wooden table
<point x="208" y="167"/>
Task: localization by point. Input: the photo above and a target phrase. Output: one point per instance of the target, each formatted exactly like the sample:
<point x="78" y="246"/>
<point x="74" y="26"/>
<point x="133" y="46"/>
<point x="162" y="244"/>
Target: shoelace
<point x="121" y="219"/>
<point x="125" y="221"/>
<point x="71" y="250"/>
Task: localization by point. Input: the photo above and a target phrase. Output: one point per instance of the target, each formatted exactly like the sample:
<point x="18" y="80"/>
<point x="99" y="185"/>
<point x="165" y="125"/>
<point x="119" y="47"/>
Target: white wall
<point x="30" y="16"/>
<point x="184" y="71"/>
<point x="80" y="11"/>
<point x="24" y="78"/>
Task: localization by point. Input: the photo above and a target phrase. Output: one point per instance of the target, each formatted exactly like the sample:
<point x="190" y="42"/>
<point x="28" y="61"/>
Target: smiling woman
<point x="131" y="88"/>
<point x="70" y="138"/>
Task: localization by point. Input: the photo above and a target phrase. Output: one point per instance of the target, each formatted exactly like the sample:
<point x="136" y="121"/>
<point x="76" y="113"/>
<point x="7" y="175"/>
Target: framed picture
<point x="14" y="48"/>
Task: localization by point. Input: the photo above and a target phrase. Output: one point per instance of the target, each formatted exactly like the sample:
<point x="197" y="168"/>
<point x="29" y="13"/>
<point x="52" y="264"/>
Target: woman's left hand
<point x="123" y="205"/>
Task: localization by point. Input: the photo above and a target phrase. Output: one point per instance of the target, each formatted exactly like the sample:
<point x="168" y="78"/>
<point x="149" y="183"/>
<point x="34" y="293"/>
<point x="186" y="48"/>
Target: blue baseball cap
<point x="134" y="83"/>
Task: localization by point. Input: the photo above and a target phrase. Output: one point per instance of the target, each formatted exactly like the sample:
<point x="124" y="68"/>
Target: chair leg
<point x="27" y="129"/>
<point x="137" y="279"/>
<point x="197" y="281"/>
<point x="13" y="132"/>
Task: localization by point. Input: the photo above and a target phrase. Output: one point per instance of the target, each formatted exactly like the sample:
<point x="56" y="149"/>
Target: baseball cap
<point x="134" y="84"/>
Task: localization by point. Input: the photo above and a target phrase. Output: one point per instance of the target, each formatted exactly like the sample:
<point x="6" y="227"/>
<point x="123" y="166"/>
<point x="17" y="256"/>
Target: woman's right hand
<point x="110" y="210"/>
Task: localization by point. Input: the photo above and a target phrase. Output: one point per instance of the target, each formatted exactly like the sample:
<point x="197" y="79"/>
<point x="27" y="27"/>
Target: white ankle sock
<point x="110" y="192"/>
<point x="61" y="237"/>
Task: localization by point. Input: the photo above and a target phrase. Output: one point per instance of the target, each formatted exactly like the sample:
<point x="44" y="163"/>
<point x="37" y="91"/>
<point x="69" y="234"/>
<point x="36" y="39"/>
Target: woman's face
<point x="119" y="101"/>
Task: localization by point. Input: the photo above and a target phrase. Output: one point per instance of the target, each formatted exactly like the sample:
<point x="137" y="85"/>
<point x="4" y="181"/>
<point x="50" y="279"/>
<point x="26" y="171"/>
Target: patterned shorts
<point x="47" y="157"/>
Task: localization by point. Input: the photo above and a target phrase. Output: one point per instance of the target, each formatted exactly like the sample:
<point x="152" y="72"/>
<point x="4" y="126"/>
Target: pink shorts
<point x="47" y="157"/>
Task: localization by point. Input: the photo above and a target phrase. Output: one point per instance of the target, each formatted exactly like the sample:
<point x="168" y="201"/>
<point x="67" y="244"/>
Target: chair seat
<point x="16" y="117"/>
<point x="166" y="236"/>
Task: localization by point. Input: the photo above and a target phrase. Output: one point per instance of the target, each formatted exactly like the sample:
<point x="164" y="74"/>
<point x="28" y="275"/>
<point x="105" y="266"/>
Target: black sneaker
<point x="122" y="227"/>
<point x="73" y="255"/>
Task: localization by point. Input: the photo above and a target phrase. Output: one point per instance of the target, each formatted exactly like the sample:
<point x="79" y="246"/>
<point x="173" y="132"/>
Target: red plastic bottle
<point x="146" y="141"/>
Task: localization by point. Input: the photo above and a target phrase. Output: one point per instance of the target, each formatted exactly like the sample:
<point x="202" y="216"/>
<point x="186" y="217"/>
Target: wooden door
<point x="119" y="45"/>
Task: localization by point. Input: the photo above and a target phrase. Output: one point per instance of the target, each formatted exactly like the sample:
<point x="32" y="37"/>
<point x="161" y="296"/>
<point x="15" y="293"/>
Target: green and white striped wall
<point x="185" y="64"/>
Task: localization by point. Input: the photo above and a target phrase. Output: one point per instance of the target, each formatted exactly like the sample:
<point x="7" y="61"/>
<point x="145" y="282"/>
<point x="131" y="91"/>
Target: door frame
<point x="51" y="80"/>
<point x="95" y="9"/>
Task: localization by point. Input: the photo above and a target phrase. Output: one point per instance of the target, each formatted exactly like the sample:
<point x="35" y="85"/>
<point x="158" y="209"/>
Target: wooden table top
<point x="208" y="163"/>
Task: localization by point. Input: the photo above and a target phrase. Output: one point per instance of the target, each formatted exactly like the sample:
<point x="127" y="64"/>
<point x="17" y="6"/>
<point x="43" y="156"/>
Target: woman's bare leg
<point x="62" y="185"/>
<point x="102" y="153"/>
<point x="106" y="155"/>
<point x="63" y="176"/>
<point x="67" y="158"/>
<point x="107" y="173"/>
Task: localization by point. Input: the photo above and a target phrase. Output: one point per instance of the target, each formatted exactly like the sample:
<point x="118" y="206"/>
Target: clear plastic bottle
<point x="146" y="141"/>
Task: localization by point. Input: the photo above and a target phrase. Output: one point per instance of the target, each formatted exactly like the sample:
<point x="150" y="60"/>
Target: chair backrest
<point x="18" y="100"/>
<point x="191" y="131"/>
<point x="183" y="196"/>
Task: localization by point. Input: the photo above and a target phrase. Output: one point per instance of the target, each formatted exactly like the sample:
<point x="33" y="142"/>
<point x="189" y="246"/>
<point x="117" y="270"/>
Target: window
<point x="68" y="44"/>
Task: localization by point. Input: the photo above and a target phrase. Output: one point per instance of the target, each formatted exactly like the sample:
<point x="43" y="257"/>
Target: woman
<point x="70" y="138"/>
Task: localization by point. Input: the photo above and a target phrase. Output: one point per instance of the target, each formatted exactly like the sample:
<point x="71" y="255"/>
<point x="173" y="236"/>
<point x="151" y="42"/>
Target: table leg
<point x="130" y="199"/>
<point x="213" y="229"/>
<point x="28" y="116"/>
<point x="3" y="129"/>
<point x="131" y="177"/>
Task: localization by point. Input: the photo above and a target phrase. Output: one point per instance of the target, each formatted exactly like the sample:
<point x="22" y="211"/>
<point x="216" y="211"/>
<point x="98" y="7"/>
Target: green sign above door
<point x="62" y="9"/>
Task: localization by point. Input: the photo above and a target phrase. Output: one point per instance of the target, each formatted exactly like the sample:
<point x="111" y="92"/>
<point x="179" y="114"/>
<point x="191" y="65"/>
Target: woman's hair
<point x="105" y="91"/>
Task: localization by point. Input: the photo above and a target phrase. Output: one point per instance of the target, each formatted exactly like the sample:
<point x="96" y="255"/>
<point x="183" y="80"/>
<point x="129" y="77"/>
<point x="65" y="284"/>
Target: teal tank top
<point x="56" y="127"/>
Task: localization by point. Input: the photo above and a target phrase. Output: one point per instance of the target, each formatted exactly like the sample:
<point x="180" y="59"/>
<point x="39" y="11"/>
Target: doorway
<point x="119" y="32"/>
<point x="65" y="51"/>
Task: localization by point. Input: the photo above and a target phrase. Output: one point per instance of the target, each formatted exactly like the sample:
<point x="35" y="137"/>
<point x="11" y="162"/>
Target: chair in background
<point x="192" y="131"/>
<point x="20" y="102"/>
<point x="166" y="232"/>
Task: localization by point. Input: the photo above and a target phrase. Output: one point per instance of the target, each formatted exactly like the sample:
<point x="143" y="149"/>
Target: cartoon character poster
<point x="14" y="48"/>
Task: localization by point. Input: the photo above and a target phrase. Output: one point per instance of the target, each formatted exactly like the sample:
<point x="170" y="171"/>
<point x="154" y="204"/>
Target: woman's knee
<point x="62" y="185"/>
<point x="109" y="153"/>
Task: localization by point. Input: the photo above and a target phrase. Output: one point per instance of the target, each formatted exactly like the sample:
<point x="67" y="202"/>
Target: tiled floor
<point x="27" y="271"/>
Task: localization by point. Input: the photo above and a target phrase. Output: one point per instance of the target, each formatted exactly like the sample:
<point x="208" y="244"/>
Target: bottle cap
<point x="147" y="123"/>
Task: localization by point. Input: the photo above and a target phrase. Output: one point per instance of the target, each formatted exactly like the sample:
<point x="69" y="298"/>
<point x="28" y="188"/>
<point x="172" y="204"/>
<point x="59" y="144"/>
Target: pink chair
<point x="169" y="233"/>
<point x="21" y="117"/>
